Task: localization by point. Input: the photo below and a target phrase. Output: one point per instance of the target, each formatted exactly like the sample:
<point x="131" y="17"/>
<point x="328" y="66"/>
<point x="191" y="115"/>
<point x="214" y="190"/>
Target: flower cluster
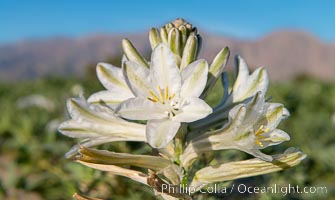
<point x="162" y="103"/>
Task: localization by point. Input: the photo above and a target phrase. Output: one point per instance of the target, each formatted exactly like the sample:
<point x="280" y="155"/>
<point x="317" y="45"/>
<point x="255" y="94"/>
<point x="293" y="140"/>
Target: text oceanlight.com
<point x="245" y="189"/>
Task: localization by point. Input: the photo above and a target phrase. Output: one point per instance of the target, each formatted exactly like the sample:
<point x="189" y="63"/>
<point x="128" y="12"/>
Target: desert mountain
<point x="286" y="54"/>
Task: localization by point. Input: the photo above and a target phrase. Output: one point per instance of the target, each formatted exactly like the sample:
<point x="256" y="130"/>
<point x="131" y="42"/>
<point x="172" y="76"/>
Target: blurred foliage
<point x="31" y="151"/>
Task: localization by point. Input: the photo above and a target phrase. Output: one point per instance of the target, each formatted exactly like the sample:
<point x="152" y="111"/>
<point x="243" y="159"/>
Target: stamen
<point x="155" y="98"/>
<point x="150" y="99"/>
<point x="166" y="92"/>
<point x="261" y="130"/>
<point x="259" y="135"/>
<point x="171" y="97"/>
<point x="259" y="143"/>
<point x="258" y="132"/>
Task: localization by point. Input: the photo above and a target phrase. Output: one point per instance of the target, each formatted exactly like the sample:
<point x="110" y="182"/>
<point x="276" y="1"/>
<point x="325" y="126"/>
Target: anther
<point x="166" y="92"/>
<point x="150" y="99"/>
<point x="259" y="143"/>
<point x="171" y="97"/>
<point x="154" y="97"/>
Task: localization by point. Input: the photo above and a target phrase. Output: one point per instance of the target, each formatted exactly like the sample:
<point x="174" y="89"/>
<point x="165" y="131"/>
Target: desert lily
<point x="164" y="95"/>
<point x="161" y="102"/>
<point x="251" y="127"/>
<point x="244" y="87"/>
<point x="185" y="44"/>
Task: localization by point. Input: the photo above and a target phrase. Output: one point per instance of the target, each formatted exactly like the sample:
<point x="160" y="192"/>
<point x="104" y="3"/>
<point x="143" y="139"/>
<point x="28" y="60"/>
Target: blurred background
<point x="48" y="53"/>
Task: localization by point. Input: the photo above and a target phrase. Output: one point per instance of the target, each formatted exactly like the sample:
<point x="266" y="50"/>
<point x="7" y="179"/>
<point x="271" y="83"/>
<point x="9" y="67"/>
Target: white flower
<point x="254" y="130"/>
<point x="164" y="95"/>
<point x="251" y="127"/>
<point x="245" y="86"/>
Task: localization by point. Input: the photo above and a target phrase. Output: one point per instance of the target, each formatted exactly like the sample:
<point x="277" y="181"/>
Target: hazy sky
<point x="246" y="19"/>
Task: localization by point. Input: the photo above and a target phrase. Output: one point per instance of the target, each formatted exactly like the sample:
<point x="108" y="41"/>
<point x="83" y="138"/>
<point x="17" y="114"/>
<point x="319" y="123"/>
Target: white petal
<point x="258" y="154"/>
<point x="274" y="114"/>
<point x="236" y="117"/>
<point x="75" y="129"/>
<point x="110" y="98"/>
<point x="219" y="63"/>
<point x="78" y="108"/>
<point x="132" y="174"/>
<point x="194" y="78"/>
<point x="132" y="54"/>
<point x="112" y="79"/>
<point x="161" y="132"/>
<point x="241" y="72"/>
<point x="164" y="71"/>
<point x="190" y="51"/>
<point x="137" y="78"/>
<point x="167" y="197"/>
<point x="275" y="137"/>
<point x="192" y="109"/>
<point x="112" y="158"/>
<point x="112" y="129"/>
<point x="286" y="113"/>
<point x="154" y="38"/>
<point x="246" y="85"/>
<point x="246" y="168"/>
<point x="95" y="141"/>
<point x="141" y="108"/>
<point x="123" y="61"/>
<point x="254" y="109"/>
